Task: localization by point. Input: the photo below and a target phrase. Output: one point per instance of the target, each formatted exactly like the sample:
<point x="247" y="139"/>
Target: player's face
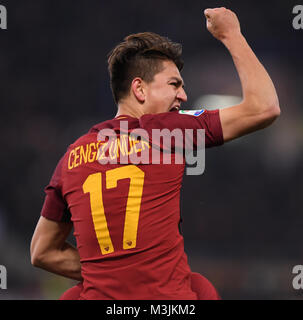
<point x="166" y="92"/>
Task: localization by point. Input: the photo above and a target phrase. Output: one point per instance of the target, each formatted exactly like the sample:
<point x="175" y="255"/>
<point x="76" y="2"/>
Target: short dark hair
<point x="140" y="55"/>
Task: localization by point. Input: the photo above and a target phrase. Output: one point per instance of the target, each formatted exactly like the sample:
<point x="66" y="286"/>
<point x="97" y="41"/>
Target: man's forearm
<point x="64" y="262"/>
<point x="257" y="86"/>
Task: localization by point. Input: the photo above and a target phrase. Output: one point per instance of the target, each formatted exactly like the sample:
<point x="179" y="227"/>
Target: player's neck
<point x="130" y="108"/>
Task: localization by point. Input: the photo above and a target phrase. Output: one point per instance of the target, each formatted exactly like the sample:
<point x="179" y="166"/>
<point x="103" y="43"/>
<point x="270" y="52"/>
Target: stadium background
<point x="242" y="219"/>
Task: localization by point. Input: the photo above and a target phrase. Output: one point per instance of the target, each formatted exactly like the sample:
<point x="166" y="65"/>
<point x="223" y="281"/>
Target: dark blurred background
<point x="242" y="219"/>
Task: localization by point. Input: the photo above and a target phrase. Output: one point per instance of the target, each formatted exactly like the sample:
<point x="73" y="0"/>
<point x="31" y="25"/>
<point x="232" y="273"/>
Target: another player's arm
<point x="51" y="252"/>
<point x="260" y="105"/>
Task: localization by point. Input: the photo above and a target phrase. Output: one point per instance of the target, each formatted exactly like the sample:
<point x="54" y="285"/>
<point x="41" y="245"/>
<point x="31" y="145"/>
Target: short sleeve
<point x="55" y="207"/>
<point x="202" y="119"/>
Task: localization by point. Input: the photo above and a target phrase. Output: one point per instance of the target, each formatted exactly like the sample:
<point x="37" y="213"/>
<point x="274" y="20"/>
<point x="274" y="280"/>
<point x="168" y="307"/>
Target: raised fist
<point x="222" y="23"/>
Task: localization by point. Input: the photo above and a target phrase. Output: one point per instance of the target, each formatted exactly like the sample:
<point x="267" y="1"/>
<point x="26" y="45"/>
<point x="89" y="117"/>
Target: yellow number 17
<point x="93" y="186"/>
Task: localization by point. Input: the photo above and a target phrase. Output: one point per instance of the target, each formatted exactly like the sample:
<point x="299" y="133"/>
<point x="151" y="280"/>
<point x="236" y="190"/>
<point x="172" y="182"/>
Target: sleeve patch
<point x="195" y="113"/>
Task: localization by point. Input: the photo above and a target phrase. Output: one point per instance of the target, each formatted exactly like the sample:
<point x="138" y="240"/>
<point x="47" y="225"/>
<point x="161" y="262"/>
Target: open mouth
<point x="174" y="108"/>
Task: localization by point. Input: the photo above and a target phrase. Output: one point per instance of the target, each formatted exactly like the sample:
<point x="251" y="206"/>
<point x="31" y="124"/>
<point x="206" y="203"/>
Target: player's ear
<point x="138" y="89"/>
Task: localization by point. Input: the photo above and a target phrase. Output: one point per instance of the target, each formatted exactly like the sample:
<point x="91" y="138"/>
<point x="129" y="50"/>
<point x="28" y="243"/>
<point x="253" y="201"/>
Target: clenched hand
<point x="222" y="23"/>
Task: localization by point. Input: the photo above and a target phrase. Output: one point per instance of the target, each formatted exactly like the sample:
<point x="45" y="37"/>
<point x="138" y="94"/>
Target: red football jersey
<point x="126" y="216"/>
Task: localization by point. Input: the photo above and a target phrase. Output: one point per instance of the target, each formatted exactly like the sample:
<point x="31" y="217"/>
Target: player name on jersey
<point x="110" y="150"/>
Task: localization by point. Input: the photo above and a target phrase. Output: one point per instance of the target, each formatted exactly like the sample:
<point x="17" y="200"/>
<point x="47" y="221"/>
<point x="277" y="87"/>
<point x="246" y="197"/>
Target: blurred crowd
<point x="242" y="219"/>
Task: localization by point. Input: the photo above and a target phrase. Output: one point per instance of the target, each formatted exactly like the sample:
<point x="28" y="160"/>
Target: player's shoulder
<point x="180" y="118"/>
<point x="92" y="134"/>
